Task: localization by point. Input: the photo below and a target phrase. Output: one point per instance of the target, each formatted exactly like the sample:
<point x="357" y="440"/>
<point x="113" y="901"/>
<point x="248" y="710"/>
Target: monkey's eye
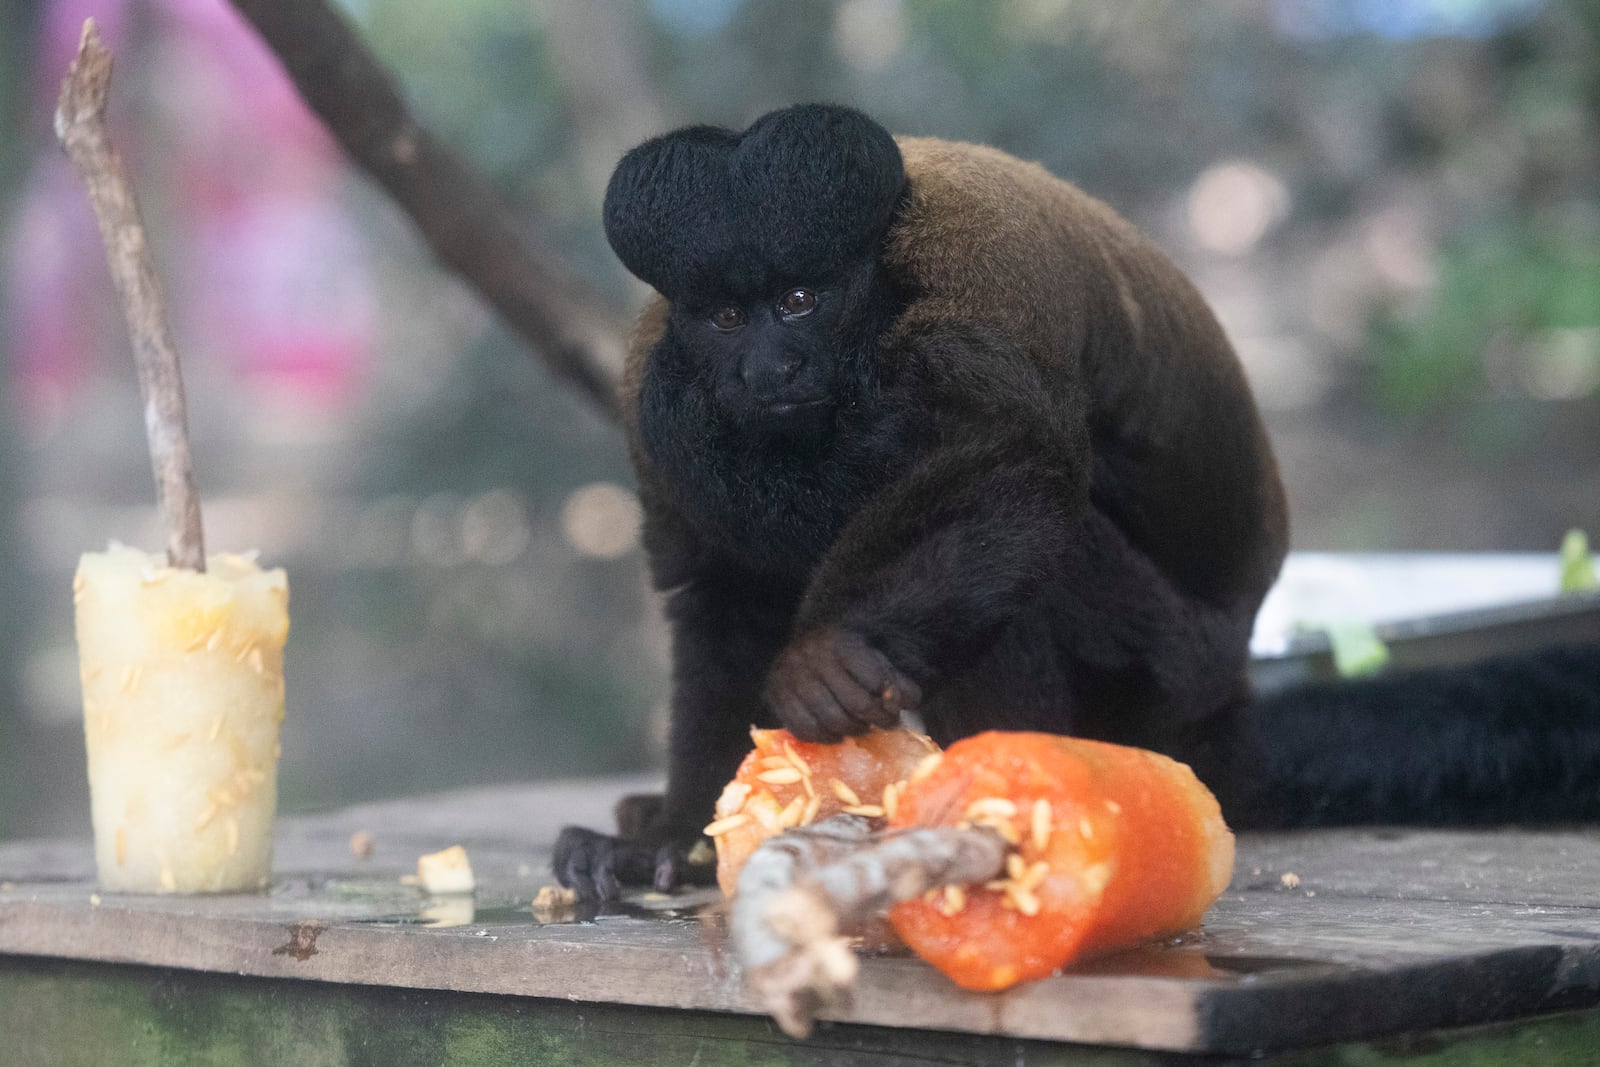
<point x="727" y="318"/>
<point x="798" y="302"/>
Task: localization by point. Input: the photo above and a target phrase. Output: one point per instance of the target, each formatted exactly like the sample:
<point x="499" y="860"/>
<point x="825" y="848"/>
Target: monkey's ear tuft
<point x="823" y="181"/>
<point x="664" y="196"/>
<point x="799" y="194"/>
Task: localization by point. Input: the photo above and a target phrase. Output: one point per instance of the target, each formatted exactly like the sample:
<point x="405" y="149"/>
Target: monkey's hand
<point x="831" y="684"/>
<point x="596" y="866"/>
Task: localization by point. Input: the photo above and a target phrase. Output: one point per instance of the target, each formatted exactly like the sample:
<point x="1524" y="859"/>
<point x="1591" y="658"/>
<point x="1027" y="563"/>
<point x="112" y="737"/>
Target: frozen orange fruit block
<point x="1110" y="846"/>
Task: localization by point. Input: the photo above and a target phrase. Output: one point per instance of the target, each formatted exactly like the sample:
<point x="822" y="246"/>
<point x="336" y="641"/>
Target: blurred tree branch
<point x="458" y="212"/>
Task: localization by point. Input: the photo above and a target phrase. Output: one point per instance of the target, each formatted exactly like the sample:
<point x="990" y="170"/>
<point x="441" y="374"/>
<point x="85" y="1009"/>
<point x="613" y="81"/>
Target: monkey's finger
<point x="604" y="873"/>
<point x="880" y="712"/>
<point x="866" y="664"/>
<point x="835" y="721"/>
<point x="806" y="728"/>
<point x="570" y="861"/>
<point x="582" y="862"/>
<point x="889" y="690"/>
<point x="857" y="700"/>
<point x="791" y="711"/>
<point x="675" y="867"/>
<point x="887" y="704"/>
<point x="906" y="694"/>
<point x="806" y="707"/>
<point x="666" y="873"/>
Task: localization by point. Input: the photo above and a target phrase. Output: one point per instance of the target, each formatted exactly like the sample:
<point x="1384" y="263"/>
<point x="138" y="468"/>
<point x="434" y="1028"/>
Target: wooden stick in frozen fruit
<point x="181" y="665"/>
<point x="81" y="129"/>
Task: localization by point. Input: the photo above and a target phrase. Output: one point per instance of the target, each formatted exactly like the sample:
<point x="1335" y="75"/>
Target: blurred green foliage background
<point x="1394" y="206"/>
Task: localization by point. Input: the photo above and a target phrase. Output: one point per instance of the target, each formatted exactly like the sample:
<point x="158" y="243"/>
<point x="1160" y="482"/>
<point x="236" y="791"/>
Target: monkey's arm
<point x="924" y="576"/>
<point x="725" y="633"/>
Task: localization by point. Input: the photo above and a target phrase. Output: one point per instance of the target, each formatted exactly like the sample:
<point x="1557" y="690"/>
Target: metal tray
<point x="1507" y="604"/>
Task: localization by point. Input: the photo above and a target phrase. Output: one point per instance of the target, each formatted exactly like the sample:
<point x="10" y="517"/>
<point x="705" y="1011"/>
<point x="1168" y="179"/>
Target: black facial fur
<point x="744" y="404"/>
<point x="776" y="486"/>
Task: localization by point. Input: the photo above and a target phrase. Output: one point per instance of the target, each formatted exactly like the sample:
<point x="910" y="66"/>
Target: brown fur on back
<point x="985" y="237"/>
<point x="988" y="239"/>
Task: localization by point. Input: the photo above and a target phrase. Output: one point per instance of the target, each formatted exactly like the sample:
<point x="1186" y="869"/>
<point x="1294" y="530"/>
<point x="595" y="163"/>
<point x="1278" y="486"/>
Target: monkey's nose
<point x="767" y="374"/>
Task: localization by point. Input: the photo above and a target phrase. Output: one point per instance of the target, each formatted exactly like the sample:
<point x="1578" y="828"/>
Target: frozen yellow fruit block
<point x="182" y="698"/>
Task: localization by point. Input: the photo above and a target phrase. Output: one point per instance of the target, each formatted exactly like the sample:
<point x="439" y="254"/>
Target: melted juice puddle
<point x="448" y="912"/>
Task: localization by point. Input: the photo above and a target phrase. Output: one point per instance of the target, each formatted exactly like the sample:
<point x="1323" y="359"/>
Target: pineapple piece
<point x="183" y="695"/>
<point x="447" y="871"/>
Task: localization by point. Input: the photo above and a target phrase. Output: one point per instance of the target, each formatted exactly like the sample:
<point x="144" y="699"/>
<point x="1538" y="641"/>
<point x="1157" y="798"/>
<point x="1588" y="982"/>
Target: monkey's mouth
<point x="786" y="408"/>
<point x="800" y="419"/>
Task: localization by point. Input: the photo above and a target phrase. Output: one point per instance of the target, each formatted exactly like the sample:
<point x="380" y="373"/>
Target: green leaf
<point x="1357" y="649"/>
<point x="1577" y="565"/>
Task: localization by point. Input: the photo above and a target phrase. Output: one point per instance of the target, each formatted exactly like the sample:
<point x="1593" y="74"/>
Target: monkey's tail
<point x="1514" y="739"/>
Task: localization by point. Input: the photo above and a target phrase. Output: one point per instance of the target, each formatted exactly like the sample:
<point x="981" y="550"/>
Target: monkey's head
<point x="765" y="245"/>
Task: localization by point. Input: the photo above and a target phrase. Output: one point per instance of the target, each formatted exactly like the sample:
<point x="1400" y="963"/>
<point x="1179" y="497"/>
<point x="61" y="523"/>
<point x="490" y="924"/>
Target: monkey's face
<point x="764" y="242"/>
<point x="779" y="361"/>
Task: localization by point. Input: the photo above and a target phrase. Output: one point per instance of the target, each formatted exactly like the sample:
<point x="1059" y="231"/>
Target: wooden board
<point x="70" y="1014"/>
<point x="1384" y="932"/>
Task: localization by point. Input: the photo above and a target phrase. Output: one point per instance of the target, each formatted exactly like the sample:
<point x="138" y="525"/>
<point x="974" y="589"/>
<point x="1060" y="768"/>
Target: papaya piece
<point x="784" y="783"/>
<point x="1110" y="846"/>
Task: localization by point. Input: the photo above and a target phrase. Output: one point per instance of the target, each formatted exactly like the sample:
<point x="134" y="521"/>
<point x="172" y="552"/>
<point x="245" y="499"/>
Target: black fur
<point x="1006" y="473"/>
<point x="1512" y="739"/>
<point x="773" y="492"/>
<point x="706" y="212"/>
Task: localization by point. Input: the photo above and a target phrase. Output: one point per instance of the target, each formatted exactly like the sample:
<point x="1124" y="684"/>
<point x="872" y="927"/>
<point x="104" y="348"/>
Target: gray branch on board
<point x="803" y="891"/>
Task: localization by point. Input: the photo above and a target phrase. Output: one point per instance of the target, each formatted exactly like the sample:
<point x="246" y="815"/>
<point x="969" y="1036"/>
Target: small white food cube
<point x="447" y="871"/>
<point x="183" y="695"/>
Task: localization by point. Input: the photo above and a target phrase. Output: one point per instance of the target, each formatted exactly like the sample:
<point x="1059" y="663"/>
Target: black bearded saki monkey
<point x="919" y="426"/>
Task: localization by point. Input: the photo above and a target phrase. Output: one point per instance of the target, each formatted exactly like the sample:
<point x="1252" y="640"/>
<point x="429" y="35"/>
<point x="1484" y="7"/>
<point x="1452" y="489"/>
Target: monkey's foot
<point x="831" y="684"/>
<point x="596" y="866"/>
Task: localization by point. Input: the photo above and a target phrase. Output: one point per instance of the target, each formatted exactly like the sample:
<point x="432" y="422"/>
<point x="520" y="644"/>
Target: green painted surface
<point x="1567" y="1040"/>
<point x="70" y="1014"/>
<point x="66" y="1014"/>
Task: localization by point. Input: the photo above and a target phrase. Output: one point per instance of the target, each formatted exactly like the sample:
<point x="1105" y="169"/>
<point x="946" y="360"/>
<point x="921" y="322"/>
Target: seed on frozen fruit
<point x="813" y="806"/>
<point x="1041" y="825"/>
<point x="869" y="811"/>
<point x="955" y="898"/>
<point x="791" y="815"/>
<point x="991" y="808"/>
<point x="722" y="826"/>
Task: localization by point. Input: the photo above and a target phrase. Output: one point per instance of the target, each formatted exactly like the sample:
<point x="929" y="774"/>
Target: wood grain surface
<point x="1324" y="937"/>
